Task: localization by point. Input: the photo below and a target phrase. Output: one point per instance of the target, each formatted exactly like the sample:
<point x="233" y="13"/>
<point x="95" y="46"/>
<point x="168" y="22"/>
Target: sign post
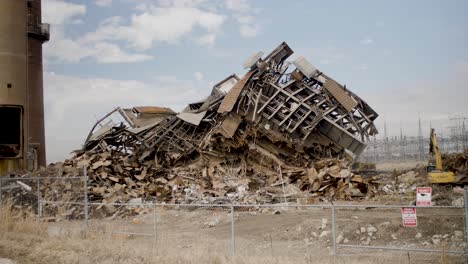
<point x="408" y="214"/>
<point x="424" y="196"/>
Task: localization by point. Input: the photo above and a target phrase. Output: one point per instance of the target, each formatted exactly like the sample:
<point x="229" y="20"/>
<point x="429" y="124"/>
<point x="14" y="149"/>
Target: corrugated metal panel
<point x="305" y="67"/>
<point x="192" y="118"/>
<point x="231" y="97"/>
<point x="340" y="95"/>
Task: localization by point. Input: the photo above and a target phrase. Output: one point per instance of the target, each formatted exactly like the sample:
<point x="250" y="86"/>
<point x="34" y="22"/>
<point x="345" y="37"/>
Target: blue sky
<point x="405" y="58"/>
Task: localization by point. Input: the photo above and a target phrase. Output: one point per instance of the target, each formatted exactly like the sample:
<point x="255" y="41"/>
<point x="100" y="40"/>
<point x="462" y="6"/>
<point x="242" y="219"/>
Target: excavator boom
<point x="435" y="172"/>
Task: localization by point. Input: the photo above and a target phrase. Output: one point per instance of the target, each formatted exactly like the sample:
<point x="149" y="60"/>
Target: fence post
<point x="333" y="220"/>
<point x="233" y="241"/>
<point x="466" y="217"/>
<point x="38" y="193"/>
<point x="155" y="225"/>
<point x="1" y="190"/>
<point x="85" y="178"/>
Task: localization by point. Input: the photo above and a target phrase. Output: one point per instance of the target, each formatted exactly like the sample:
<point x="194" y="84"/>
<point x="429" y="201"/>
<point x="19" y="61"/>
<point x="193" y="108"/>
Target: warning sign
<point x="409" y="217"/>
<point x="424" y="196"/>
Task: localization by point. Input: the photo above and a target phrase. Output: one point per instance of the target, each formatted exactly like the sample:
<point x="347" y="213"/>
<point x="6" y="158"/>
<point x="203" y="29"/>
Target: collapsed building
<point x="279" y="115"/>
<point x="284" y="130"/>
<point x="290" y="110"/>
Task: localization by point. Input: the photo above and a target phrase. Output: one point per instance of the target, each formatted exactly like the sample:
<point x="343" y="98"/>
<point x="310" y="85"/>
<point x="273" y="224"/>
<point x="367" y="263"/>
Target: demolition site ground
<point x="203" y="235"/>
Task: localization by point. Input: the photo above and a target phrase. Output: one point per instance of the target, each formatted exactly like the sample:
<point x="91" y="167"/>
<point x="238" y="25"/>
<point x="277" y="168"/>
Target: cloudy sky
<point x="406" y="58"/>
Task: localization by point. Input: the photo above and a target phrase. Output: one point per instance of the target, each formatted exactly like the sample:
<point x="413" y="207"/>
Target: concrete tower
<point x="22" y="139"/>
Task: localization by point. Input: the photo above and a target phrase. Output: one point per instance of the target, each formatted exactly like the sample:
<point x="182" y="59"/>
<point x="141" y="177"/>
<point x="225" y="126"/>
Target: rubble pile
<point x="112" y="178"/>
<point x="282" y="126"/>
<point x="457" y="163"/>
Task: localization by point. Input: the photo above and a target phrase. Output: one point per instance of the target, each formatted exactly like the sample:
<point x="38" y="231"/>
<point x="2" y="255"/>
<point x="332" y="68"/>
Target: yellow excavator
<point x="435" y="173"/>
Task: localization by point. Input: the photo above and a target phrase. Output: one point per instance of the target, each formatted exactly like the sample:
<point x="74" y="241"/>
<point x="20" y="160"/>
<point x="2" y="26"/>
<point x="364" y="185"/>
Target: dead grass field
<point x="25" y="240"/>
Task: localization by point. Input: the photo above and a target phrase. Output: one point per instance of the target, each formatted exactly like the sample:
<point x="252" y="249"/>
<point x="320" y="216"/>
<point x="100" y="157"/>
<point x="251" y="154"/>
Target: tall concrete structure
<point x="22" y="139"/>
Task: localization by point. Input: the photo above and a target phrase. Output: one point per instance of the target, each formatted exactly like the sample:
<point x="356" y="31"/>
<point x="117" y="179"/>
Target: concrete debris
<point x="281" y="124"/>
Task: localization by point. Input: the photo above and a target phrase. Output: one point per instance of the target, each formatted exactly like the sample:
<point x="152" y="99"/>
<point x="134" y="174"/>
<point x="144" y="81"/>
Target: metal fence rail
<point x="252" y="228"/>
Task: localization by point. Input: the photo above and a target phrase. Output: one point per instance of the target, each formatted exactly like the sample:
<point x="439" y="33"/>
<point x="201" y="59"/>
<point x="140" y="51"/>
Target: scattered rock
<point x="324" y="223"/>
<point x="458" y="202"/>
<point x="408" y="178"/>
<point x="339" y="239"/>
<point x="212" y="223"/>
<point x="418" y="235"/>
<point x="366" y="242"/>
<point x="458" y="233"/>
<point x="394" y="236"/>
<point x="323" y="234"/>
<point x="384" y="224"/>
<point x="371" y="229"/>
<point x="458" y="190"/>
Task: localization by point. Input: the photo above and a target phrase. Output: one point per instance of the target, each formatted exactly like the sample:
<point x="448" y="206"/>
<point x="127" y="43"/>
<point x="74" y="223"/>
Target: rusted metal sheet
<point x="153" y="110"/>
<point x="340" y="94"/>
<point x="231" y="97"/>
<point x="230" y="125"/>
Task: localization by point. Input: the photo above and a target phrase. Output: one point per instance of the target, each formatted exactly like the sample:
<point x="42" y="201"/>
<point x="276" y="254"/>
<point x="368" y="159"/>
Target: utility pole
<point x="464" y="137"/>
<point x="402" y="145"/>
<point x="420" y="141"/>
<point x="386" y="143"/>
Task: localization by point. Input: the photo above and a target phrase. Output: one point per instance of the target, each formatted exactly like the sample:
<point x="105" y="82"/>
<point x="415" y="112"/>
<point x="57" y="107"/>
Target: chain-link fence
<point x="247" y="230"/>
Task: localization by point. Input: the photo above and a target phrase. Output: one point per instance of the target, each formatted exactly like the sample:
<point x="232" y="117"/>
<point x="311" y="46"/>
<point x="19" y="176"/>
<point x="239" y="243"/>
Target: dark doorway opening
<point x="10" y="131"/>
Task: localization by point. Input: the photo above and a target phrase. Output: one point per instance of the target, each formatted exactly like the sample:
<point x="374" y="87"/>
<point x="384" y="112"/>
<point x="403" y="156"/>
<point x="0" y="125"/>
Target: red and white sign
<point x="409" y="217"/>
<point x="423" y="196"/>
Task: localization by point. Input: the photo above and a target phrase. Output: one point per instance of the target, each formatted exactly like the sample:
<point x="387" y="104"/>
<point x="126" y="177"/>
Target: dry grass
<point x="25" y="240"/>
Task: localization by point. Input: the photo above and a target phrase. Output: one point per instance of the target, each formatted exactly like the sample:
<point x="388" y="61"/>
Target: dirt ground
<point x="299" y="234"/>
<point x="400" y="166"/>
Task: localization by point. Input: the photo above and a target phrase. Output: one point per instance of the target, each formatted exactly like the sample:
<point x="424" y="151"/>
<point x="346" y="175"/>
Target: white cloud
<point x="152" y="22"/>
<point x="161" y="24"/>
<point x="111" y="53"/>
<point x="58" y="12"/>
<point x="367" y="40"/>
<point x="65" y="49"/>
<point x="249" y="30"/>
<point x="198" y="76"/>
<point x="237" y="5"/>
<point x="103" y="3"/>
<point x="242" y="12"/>
<point x="206" y="40"/>
<point x="73" y="104"/>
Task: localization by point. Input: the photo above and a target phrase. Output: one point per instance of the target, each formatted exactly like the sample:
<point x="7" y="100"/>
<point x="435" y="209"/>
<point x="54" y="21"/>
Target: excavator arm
<point x="435" y="172"/>
<point x="434" y="150"/>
